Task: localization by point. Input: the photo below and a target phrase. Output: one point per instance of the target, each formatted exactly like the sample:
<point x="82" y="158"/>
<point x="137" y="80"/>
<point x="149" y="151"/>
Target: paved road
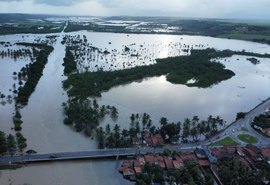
<point x="95" y="154"/>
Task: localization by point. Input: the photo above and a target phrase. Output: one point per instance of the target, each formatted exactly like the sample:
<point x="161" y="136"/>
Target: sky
<point x="242" y="9"/>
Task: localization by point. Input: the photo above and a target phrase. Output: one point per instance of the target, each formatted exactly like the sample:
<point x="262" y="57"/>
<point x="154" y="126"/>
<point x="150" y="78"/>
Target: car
<point x="53" y="156"/>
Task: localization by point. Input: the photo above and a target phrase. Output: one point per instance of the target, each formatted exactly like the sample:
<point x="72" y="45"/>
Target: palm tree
<point x="220" y="121"/>
<point x="116" y="128"/>
<point x="132" y="118"/>
<point x="195" y="120"/>
<point x="108" y="129"/>
<point x="186" y="129"/>
<point x="194" y="133"/>
<point x="163" y="121"/>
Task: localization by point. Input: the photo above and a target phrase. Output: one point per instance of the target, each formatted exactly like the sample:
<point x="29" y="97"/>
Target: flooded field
<point x="43" y="116"/>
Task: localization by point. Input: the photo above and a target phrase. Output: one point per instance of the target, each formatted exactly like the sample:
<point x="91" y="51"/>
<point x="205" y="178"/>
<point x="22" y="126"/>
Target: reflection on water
<point x="158" y="97"/>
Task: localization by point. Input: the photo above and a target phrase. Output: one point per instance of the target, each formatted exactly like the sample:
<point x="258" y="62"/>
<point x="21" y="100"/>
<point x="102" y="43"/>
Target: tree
<point x="2" y="97"/>
<point x="194" y="133"/>
<point x="3" y="142"/>
<point x="116" y="128"/>
<point x="195" y="121"/>
<point x="125" y="133"/>
<point x="209" y="180"/>
<point x="114" y="113"/>
<point x="108" y="129"/>
<point x="11" y="143"/>
<point x="132" y="118"/>
<point x="101" y="137"/>
<point x="163" y="121"/>
<point x="186" y="129"/>
<point x="232" y="171"/>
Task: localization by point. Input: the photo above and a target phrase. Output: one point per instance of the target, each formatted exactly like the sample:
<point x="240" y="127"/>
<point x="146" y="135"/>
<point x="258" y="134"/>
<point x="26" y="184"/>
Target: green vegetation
<point x="10" y="167"/>
<point x="8" y="143"/>
<point x="69" y="62"/>
<point x="262" y="121"/>
<point x="253" y="60"/>
<point x="240" y="115"/>
<point x="244" y="129"/>
<point x="167" y="152"/>
<point x="21" y="141"/>
<point x="151" y="172"/>
<point x="232" y="171"/>
<point x="247" y="138"/>
<point x="3" y="142"/>
<point x="225" y="141"/>
<point x="189" y="174"/>
<point x="114" y="138"/>
<point x="34" y="72"/>
<point x="86" y="115"/>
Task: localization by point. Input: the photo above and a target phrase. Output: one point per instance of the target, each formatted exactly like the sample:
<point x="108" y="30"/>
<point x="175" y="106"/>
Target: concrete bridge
<point x="94" y="154"/>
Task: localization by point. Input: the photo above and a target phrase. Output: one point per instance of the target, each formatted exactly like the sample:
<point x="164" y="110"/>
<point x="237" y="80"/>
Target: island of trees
<point x="197" y="67"/>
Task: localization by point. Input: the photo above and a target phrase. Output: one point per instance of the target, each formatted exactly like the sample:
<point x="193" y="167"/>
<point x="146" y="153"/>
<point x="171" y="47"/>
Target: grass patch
<point x="225" y="141"/>
<point x="244" y="129"/>
<point x="247" y="138"/>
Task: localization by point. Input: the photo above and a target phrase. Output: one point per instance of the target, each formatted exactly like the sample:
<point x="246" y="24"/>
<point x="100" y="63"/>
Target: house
<point x="126" y="164"/>
<point x="254" y="148"/>
<point x="200" y="154"/>
<point x="240" y="152"/>
<point x="266" y="153"/>
<point x="168" y="163"/>
<point x="251" y="154"/>
<point x="136" y="163"/>
<point x="204" y="162"/>
<point x="129" y="174"/>
<point x="160" y="161"/>
<point x="150" y="159"/>
<point x="138" y="170"/>
<point x="177" y="164"/>
<point x="155" y="140"/>
<point x="223" y="152"/>
<point x="267" y="112"/>
<point x="267" y="131"/>
<point x="187" y="156"/>
<point x="141" y="161"/>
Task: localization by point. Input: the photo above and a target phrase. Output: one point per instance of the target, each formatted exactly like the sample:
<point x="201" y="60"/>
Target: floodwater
<point x="43" y="116"/>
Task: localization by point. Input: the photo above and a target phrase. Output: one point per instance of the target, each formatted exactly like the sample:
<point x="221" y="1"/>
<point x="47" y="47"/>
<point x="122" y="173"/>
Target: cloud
<point x="58" y="2"/>
<point x="258" y="9"/>
<point x="10" y="0"/>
